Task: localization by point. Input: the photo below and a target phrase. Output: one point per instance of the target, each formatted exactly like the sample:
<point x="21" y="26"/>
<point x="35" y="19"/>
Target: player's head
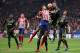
<point x="22" y="15"/>
<point x="10" y="16"/>
<point x="49" y="5"/>
<point x="44" y="7"/>
<point x="54" y="4"/>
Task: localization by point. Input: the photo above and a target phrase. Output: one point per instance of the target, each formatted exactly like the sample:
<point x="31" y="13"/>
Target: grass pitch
<point x="74" y="46"/>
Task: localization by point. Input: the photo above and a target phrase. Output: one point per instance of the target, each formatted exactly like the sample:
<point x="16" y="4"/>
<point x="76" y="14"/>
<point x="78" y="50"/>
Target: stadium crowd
<point x="7" y="8"/>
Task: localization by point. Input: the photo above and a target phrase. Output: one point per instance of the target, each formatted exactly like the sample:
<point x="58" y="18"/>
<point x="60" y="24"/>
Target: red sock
<point x="20" y="38"/>
<point x="43" y="41"/>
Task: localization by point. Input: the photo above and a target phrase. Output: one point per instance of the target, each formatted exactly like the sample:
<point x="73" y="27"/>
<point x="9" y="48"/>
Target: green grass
<point x="74" y="47"/>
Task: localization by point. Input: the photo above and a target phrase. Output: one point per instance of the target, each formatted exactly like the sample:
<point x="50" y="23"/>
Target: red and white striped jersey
<point x="45" y="15"/>
<point x="22" y="22"/>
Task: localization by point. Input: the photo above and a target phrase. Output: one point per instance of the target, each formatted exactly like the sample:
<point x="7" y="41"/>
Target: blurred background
<point x="31" y="7"/>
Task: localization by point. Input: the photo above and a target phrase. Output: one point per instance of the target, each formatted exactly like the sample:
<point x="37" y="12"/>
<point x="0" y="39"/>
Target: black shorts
<point x="10" y="34"/>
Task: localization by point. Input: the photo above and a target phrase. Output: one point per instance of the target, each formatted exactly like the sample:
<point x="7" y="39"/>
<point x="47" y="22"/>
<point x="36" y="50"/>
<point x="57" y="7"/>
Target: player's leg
<point x="15" y="40"/>
<point x="44" y="40"/>
<point x="64" y="40"/>
<point x="66" y="45"/>
<point x="50" y="26"/>
<point x="9" y="39"/>
<point x="46" y="34"/>
<point x="37" y="30"/>
<point x="54" y="29"/>
<point x="54" y="34"/>
<point x="38" y="44"/>
<point x="21" y="32"/>
<point x="19" y="35"/>
<point x="22" y="35"/>
<point x="60" y="39"/>
<point x="59" y="43"/>
<point x="39" y="38"/>
<point x="46" y="43"/>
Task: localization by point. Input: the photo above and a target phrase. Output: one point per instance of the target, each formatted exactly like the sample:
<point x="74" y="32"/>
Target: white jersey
<point x="45" y="15"/>
<point x="22" y="22"/>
